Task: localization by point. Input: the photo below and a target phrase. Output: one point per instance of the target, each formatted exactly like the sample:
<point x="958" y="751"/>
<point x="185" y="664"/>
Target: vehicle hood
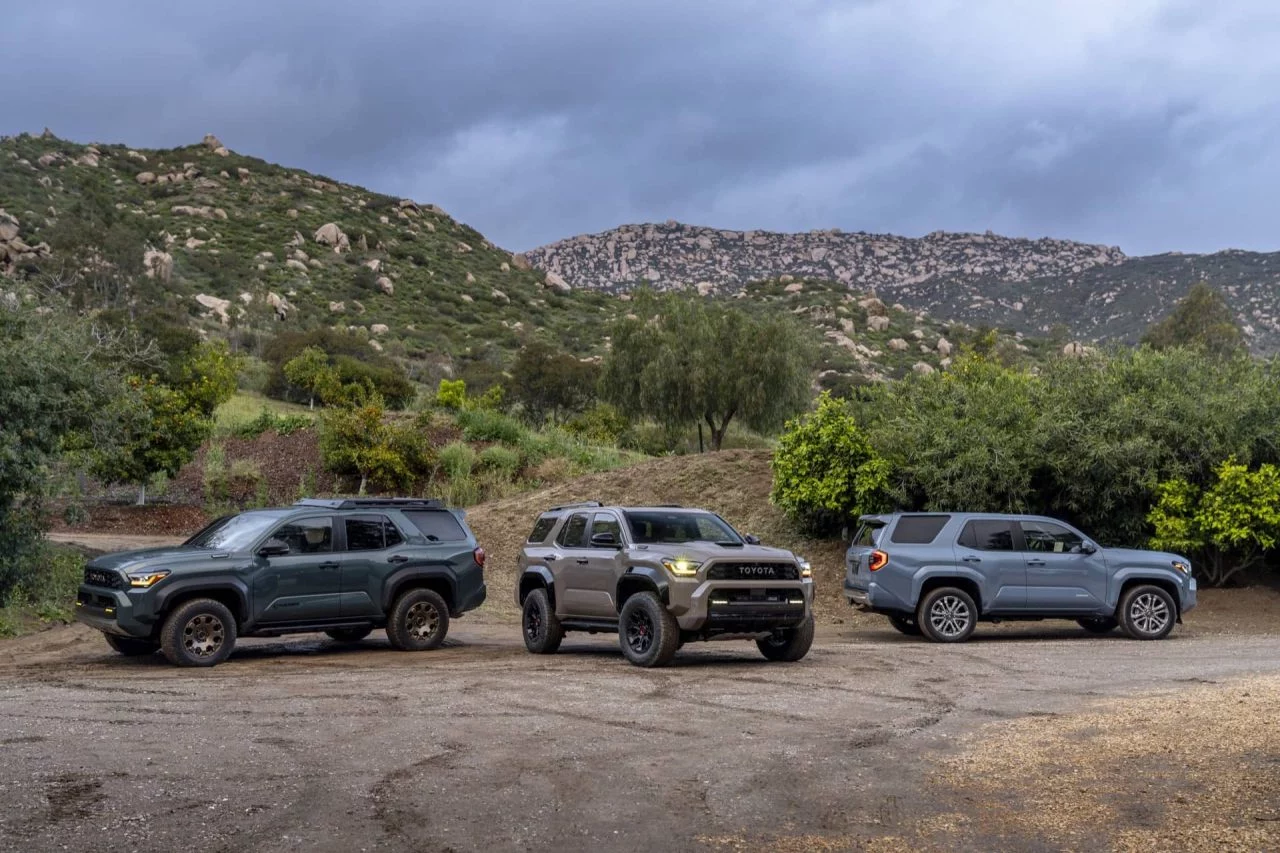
<point x="168" y="557"/>
<point x="704" y="551"/>
<point x="1118" y="557"/>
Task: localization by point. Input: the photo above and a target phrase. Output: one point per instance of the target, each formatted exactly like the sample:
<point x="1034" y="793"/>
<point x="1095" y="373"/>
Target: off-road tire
<point x="947" y="615"/>
<point x="419" y="621"/>
<point x="1147" y="612"/>
<point x="1099" y="625"/>
<point x="349" y="635"/>
<point x="905" y="625"/>
<point x="539" y="625"/>
<point x="643" y="616"/>
<point x="132" y="647"/>
<point x="200" y="632"/>
<point x="789" y="645"/>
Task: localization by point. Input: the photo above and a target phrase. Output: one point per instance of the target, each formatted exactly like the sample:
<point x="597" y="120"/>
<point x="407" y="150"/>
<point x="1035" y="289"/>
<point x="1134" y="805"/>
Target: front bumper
<point x="1188" y="596"/>
<point x="112" y="611"/>
<point x="733" y="607"/>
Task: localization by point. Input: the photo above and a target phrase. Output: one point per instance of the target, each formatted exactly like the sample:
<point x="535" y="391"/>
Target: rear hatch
<point x="870" y="530"/>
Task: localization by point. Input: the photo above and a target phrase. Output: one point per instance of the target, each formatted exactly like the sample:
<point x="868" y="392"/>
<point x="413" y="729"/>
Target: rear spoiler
<point x="875" y="519"/>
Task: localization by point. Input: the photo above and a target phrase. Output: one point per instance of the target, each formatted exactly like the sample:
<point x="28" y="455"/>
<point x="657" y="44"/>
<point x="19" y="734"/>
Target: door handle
<point x="581" y="561"/>
<point x="397" y="558"/>
<point x="972" y="559"/>
<point x="1035" y="562"/>
<point x="328" y="565"/>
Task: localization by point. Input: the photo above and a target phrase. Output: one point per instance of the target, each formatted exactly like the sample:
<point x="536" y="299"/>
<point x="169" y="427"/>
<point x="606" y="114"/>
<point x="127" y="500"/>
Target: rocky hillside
<point x="1096" y="292"/>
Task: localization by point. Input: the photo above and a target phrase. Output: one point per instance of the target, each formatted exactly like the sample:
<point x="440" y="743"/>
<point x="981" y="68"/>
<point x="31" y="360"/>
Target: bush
<point x="452" y="394"/>
<point x="487" y="425"/>
<point x="601" y="424"/>
<point x="46" y="585"/>
<point x="270" y="421"/>
<point x="825" y="470"/>
<point x="501" y="460"/>
<point x="457" y="459"/>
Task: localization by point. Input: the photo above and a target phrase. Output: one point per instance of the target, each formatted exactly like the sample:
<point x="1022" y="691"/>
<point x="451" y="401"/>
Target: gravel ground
<point x="1045" y="739"/>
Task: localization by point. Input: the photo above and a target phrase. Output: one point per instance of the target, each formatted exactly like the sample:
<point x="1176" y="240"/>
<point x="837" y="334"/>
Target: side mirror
<point x="1087" y="547"/>
<point x="752" y="539"/>
<point x="604" y="540"/>
<point x="273" y="548"/>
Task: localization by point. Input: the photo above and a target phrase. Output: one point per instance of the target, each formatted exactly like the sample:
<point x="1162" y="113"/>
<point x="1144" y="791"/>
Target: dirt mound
<point x="734" y="483"/>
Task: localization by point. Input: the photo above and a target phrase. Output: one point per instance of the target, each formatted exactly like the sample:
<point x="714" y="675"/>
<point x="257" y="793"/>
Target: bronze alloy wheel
<point x="203" y="635"/>
<point x="423" y="620"/>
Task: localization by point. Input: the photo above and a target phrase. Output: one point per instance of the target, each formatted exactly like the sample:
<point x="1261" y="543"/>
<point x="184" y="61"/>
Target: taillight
<point x="879" y="559"/>
<point x="479" y="556"/>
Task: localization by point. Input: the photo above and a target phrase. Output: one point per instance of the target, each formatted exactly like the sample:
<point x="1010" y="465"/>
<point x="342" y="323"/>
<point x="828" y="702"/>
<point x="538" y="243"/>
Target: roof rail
<point x="669" y="506"/>
<point x="362" y="503"/>
<point x="575" y="505"/>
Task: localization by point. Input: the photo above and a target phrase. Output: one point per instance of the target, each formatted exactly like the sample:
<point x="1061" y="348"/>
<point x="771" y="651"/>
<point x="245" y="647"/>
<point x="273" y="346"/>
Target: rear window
<point x="542" y="528"/>
<point x="918" y="529"/>
<point x="438" y="525"/>
<point x="868" y="535"/>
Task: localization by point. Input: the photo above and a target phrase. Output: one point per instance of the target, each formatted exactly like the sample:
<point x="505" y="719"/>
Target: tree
<point x="60" y="392"/>
<point x="825" y="471"/>
<point x="310" y="370"/>
<point x="1230" y="524"/>
<point x="684" y="360"/>
<point x="1201" y="320"/>
<point x="551" y="383"/>
<point x="360" y="440"/>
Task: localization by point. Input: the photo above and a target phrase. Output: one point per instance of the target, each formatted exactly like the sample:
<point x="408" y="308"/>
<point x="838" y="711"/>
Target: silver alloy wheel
<point x="949" y="616"/>
<point x="204" y="635"/>
<point x="1149" y="613"/>
<point x="423" y="620"/>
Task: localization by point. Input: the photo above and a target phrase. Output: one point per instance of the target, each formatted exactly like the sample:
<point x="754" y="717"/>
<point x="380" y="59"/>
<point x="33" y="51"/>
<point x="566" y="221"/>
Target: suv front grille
<point x="753" y="572"/>
<point x="103" y="578"/>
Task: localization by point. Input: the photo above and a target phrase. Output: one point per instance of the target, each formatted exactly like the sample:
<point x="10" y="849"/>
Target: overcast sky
<point x="1150" y="124"/>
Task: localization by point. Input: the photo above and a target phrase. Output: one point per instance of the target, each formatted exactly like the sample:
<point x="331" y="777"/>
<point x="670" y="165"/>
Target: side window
<point x="1045" y="536"/>
<point x="918" y="529"/>
<point x="868" y="535"/>
<point x="574" y="534"/>
<point x="993" y="535"/>
<point x="438" y="525"/>
<point x="364" y="534"/>
<point x="541" y="528"/>
<point x="604" y="522"/>
<point x="307" y="535"/>
<point x="391" y="535"/>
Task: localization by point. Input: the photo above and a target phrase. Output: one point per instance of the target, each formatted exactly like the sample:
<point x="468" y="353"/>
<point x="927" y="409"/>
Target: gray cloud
<point x="1146" y="124"/>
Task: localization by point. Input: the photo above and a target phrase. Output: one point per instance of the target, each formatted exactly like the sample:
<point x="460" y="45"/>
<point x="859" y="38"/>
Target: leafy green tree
<point x="452" y="394"/>
<point x="206" y="376"/>
<point x="684" y="361"/>
<point x="311" y="370"/>
<point x="825" y="471"/>
<point x="550" y="383"/>
<point x="60" y="391"/>
<point x="1230" y="525"/>
<point x="360" y="440"/>
<point x="350" y="355"/>
<point x="1201" y="320"/>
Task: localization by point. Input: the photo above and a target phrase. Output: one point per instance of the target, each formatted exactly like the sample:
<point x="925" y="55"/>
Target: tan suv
<point x="659" y="577"/>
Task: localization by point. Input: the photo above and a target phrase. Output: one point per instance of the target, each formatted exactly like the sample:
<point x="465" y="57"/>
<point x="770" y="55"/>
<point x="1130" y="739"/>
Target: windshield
<point x="235" y="532"/>
<point x="654" y="527"/>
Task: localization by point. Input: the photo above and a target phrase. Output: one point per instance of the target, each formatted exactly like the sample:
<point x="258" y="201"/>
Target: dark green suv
<point x="344" y="567"/>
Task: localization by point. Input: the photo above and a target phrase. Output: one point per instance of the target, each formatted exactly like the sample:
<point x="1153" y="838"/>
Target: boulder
<point x="188" y="210"/>
<point x="898" y="345"/>
<point x="216" y="306"/>
<point x="1075" y="349"/>
<point x="90" y="160"/>
<point x="295" y="264"/>
<point x="499" y="295"/>
<point x="944" y="347"/>
<point x="922" y="368"/>
<point x="379" y="328"/>
<point x="386" y="286"/>
<point x="705" y="288"/>
<point x="211" y="142"/>
<point x="47" y="160"/>
<point x="337" y="307"/>
<point x="505" y="267"/>
<point x="520" y="262"/>
<point x="463" y="248"/>
<point x="246" y="298"/>
<point x="373" y="264"/>
<point x="877" y="323"/>
<point x="280" y="305"/>
<point x="873" y="306"/>
<point x="222" y="152"/>
<point x="554" y="280"/>
<point x="136" y="155"/>
<point x="242" y="173"/>
<point x="292" y="213"/>
<point x="918" y="334"/>
<point x="797" y="287"/>
<point x="157" y="265"/>
<point x="377" y="347"/>
<point x="331" y="235"/>
<point x="466" y="297"/>
<point x="471" y="279"/>
<point x="786" y="279"/>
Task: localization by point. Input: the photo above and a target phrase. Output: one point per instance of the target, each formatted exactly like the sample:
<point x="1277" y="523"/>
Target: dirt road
<point x="876" y="743"/>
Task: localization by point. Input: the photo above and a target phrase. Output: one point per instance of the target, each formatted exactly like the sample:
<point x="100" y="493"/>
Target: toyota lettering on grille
<point x="98" y="577"/>
<point x="758" y="571"/>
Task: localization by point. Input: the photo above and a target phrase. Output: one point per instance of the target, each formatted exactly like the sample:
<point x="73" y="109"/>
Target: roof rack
<point x="669" y="506"/>
<point x="363" y="503"/>
<point x="575" y="505"/>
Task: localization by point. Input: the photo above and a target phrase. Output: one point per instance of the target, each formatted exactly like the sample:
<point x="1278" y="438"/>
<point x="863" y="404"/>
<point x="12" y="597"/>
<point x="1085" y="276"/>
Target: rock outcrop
<point x="331" y="235"/>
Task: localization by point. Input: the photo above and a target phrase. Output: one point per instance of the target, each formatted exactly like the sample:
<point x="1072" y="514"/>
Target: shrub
<point x="452" y="394"/>
<point x="502" y="460"/>
<point x="457" y="459"/>
<point x="487" y="425"/>
<point x="601" y="424"/>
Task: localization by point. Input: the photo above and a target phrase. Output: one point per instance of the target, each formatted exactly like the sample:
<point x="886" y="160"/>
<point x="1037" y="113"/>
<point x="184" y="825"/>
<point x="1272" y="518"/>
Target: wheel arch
<point x="966" y="582"/>
<point x="232" y="594"/>
<point x="641" y="579"/>
<point x="536" y="577"/>
<point x="1168" y="584"/>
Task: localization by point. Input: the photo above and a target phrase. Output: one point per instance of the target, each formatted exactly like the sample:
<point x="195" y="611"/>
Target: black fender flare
<point x="644" y="577"/>
<point x="544" y="576"/>
<point x="396" y="581"/>
<point x="181" y="588"/>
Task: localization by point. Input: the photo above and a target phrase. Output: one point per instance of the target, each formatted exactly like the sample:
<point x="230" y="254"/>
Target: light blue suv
<point x="938" y="574"/>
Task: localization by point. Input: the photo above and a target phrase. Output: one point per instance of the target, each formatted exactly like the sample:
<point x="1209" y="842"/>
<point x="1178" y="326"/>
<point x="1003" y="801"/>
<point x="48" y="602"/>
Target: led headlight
<point x="681" y="568"/>
<point x="806" y="569"/>
<point x="146" y="579"/>
<point x="1182" y="567"/>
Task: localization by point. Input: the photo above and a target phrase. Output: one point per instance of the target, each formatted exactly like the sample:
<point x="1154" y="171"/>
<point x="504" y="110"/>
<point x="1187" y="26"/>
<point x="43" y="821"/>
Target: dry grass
<point x="734" y="483"/>
<point x="1194" y="770"/>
